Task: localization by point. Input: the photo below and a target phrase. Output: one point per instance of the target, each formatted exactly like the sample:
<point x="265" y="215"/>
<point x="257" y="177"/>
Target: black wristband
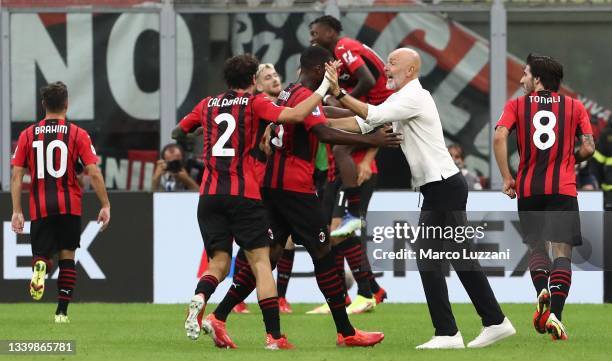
<point x="341" y="95"/>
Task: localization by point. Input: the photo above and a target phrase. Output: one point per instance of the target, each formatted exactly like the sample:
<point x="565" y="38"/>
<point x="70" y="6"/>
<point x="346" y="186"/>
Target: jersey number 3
<point x="542" y="129"/>
<point x="40" y="159"/>
<point x="219" y="150"/>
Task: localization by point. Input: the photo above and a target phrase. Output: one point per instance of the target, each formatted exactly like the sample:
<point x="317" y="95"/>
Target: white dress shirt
<point x="412" y="109"/>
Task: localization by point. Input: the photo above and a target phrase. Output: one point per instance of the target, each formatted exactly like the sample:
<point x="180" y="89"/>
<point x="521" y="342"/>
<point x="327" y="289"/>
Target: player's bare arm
<point x="500" y="146"/>
<point x="356" y="106"/>
<point x="379" y="138"/>
<point x="587" y="148"/>
<point x="335" y="112"/>
<point x="97" y="182"/>
<point x="179" y="134"/>
<point x="364" y="168"/>
<point x="365" y="82"/>
<point x="17" y="219"/>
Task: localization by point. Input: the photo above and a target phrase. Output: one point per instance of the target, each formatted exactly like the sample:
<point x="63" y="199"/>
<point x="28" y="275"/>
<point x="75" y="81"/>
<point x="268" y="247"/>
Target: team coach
<point x="444" y="190"/>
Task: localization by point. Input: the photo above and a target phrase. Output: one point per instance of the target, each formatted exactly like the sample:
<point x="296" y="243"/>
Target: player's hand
<point x="508" y="188"/>
<point x="383" y="138"/>
<point x="364" y="172"/>
<point x="332" y="75"/>
<point x="104" y="217"/>
<point x="264" y="144"/>
<point x="17" y="222"/>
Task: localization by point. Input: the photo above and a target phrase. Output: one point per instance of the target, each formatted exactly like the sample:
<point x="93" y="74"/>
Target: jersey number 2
<point x="40" y="159"/>
<point x="541" y="129"/>
<point x="219" y="150"/>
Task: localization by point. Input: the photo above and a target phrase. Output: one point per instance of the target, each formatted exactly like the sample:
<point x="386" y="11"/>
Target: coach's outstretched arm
<point x="500" y="146"/>
<point x="97" y="182"/>
<point x="17" y="219"/>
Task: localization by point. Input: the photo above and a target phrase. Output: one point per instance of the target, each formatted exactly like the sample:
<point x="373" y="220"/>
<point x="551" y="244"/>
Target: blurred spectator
<point x="473" y="181"/>
<point x="602" y="164"/>
<point x="585" y="179"/>
<point x="170" y="173"/>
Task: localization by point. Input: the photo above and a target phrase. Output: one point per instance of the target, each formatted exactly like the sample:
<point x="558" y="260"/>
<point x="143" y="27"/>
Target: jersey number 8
<point x="541" y="129"/>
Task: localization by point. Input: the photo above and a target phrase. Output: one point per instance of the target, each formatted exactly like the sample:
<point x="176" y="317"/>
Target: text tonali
<point x="544" y="100"/>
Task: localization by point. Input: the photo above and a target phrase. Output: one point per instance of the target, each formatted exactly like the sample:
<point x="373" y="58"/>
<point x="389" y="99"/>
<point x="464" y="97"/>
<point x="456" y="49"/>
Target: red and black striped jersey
<point x="50" y="149"/>
<point x="547" y="124"/>
<point x="230" y="123"/>
<point x="292" y="165"/>
<point x="354" y="54"/>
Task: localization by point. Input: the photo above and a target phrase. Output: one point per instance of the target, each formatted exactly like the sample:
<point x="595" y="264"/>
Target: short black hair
<point x="314" y="56"/>
<point x="54" y="96"/>
<point x="329" y="21"/>
<point x="547" y="69"/>
<point x="239" y="70"/>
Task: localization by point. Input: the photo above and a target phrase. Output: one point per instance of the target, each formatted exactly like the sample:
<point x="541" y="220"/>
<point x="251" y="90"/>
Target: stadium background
<point x="134" y="67"/>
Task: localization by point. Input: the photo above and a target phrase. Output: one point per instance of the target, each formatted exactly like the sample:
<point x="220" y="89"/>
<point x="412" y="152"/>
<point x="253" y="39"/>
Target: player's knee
<point x="220" y="264"/>
<point x="561" y="250"/>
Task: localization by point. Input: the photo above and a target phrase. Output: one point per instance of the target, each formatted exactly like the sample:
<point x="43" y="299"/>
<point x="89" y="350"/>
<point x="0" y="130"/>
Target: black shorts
<point x="224" y="219"/>
<point x="330" y="196"/>
<point x="54" y="233"/>
<point x="366" y="190"/>
<point x="299" y="215"/>
<point x="553" y="218"/>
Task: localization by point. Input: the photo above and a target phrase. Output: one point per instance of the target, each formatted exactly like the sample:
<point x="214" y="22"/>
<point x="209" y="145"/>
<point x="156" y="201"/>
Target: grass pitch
<point x="123" y="332"/>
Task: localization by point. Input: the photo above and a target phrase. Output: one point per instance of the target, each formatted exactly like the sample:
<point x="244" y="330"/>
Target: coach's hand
<point x="17" y="222"/>
<point x="104" y="217"/>
<point x="508" y="188"/>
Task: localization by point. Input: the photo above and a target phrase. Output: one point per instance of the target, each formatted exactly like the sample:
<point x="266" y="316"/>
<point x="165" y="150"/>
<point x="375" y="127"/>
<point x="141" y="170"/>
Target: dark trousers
<point x="444" y="205"/>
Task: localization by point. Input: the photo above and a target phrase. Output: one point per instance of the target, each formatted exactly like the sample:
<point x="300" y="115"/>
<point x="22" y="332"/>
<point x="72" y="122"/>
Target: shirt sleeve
<point x="316" y="117"/>
<point x="21" y="152"/>
<point x="350" y="57"/>
<point x="85" y="149"/>
<point x="584" y="120"/>
<point x="396" y="108"/>
<point x="193" y="120"/>
<point x="365" y="127"/>
<point x="266" y="109"/>
<point x="509" y="117"/>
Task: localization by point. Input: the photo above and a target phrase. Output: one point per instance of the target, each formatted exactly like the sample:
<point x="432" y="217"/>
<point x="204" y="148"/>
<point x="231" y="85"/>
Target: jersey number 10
<point x="40" y="159"/>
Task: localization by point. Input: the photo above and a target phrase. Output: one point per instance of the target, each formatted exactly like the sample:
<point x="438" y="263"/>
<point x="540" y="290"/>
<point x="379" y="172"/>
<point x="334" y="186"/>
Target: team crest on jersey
<point x="270" y="234"/>
<point x="316" y="112"/>
<point x="322" y="237"/>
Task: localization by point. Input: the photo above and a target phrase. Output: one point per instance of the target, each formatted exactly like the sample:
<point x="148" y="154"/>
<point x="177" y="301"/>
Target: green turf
<point x="122" y="332"/>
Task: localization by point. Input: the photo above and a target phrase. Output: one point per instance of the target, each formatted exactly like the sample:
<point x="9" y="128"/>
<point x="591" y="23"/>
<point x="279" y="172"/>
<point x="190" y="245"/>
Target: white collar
<point x="411" y="85"/>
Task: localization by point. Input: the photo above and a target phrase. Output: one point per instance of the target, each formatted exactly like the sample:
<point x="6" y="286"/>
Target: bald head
<point x="403" y="65"/>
